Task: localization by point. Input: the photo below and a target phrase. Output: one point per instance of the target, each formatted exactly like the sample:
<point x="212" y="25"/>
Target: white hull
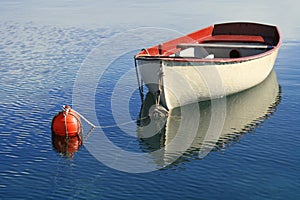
<point x="188" y="82"/>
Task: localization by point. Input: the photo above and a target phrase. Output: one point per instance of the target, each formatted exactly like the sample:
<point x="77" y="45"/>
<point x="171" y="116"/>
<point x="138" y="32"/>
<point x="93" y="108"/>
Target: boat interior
<point x="220" y="41"/>
<point x="233" y="46"/>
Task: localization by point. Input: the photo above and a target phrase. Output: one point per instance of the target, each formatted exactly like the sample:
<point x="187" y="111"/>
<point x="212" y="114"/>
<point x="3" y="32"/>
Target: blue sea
<point x="80" y="53"/>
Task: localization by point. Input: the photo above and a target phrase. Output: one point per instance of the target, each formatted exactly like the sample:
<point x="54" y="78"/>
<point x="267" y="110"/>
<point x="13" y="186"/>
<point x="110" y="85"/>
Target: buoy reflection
<point x="67" y="146"/>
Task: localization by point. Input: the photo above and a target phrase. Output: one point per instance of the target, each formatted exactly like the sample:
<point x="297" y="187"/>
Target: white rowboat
<point x="213" y="62"/>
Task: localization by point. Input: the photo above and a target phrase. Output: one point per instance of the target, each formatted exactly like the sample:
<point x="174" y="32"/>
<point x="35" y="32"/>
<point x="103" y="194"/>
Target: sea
<point x="80" y="53"/>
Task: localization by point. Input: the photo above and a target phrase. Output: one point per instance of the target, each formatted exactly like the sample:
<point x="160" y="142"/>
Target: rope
<point x="138" y="80"/>
<point x="160" y="75"/>
<point x="111" y="126"/>
<point x="66" y="108"/>
<point x="85" y="119"/>
<point x="66" y="127"/>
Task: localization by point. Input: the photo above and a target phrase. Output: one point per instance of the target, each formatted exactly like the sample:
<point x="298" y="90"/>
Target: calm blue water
<point x="39" y="65"/>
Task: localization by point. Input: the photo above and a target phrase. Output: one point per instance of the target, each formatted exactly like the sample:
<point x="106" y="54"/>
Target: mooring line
<point x="110" y="126"/>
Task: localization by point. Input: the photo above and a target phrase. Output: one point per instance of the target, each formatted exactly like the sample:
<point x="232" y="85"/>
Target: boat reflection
<point x="244" y="112"/>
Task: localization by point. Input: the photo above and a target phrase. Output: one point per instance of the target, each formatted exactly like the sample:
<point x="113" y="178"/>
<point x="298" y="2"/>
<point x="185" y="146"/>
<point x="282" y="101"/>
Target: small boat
<point x="210" y="63"/>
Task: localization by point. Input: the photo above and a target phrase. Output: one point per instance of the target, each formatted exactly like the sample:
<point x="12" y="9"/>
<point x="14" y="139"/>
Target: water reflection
<point x="66" y="146"/>
<point x="245" y="111"/>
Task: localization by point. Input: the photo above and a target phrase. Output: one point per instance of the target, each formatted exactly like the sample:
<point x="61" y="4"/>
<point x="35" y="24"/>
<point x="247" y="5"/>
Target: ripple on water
<point x="38" y="66"/>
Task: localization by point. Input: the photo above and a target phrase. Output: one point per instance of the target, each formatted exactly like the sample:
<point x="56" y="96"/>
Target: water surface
<point x="257" y="158"/>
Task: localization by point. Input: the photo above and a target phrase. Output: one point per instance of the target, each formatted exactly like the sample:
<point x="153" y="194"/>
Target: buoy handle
<point x="66" y="109"/>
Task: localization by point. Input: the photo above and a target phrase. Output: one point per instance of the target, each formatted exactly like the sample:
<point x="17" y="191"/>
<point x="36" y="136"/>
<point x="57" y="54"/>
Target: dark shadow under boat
<point x="190" y="130"/>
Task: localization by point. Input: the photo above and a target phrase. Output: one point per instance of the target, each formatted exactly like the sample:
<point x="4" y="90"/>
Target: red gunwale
<point x="264" y="34"/>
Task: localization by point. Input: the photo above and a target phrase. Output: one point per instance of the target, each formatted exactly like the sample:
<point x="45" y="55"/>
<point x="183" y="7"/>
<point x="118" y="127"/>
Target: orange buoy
<point x="66" y="123"/>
